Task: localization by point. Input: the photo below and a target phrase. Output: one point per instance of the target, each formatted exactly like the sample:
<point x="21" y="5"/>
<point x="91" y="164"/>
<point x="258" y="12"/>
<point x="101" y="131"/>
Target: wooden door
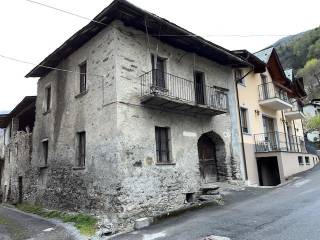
<point x="207" y="159"/>
<point x="199" y="88"/>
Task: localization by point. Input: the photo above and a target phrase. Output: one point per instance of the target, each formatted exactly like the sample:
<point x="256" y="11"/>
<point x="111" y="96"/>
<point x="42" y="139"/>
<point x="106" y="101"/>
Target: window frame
<point x="163" y="158"/>
<point x="307" y="160"/>
<point x="301" y="163"/>
<point x="48" y="98"/>
<point x="238" y="73"/>
<point x="81" y="149"/>
<point x="156" y="82"/>
<point x="246" y="118"/>
<point x="45" y="151"/>
<point x="83" y="80"/>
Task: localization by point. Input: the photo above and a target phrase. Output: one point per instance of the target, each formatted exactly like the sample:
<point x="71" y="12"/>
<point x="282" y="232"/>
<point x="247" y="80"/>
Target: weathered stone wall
<point x="149" y="188"/>
<point x="17" y="164"/>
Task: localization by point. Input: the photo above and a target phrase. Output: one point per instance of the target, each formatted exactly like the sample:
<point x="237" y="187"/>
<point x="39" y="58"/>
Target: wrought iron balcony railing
<point x="161" y="84"/>
<point x="277" y="141"/>
<point x="269" y="91"/>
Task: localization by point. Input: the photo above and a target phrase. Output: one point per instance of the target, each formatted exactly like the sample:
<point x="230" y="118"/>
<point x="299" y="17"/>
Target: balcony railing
<point x="269" y="91"/>
<point x="277" y="141"/>
<point x="171" y="87"/>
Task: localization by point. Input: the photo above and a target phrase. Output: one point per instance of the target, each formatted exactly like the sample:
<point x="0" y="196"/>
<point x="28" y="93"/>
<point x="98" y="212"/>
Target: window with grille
<point x="81" y="156"/>
<point x="83" y="77"/>
<point x="47" y="98"/>
<point x="162" y="144"/>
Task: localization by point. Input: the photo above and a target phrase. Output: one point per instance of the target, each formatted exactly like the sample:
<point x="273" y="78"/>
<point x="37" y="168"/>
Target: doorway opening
<point x="199" y="87"/>
<point x="268" y="171"/>
<point x="212" y="154"/>
<point x="20" y="189"/>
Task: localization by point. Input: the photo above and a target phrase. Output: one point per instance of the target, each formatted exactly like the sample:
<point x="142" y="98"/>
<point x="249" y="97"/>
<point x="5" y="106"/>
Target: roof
<point x="26" y="102"/>
<point x="289" y="74"/>
<point x="258" y="65"/>
<point x="264" y="55"/>
<point x="139" y="19"/>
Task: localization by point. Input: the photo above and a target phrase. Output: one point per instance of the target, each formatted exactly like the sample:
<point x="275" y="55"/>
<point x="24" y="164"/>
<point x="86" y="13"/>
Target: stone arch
<point x="212" y="157"/>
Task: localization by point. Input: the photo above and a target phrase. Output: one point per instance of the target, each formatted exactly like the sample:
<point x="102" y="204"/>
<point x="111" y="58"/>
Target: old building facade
<point x="131" y="123"/>
<point x="17" y="174"/>
<point x="270" y="101"/>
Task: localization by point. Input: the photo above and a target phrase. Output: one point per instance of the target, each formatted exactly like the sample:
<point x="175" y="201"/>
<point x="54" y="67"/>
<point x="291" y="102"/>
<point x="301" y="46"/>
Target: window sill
<point x="81" y="94"/>
<point x="78" y="168"/>
<point x="248" y="134"/>
<point x="43" y="167"/>
<point x="163" y="164"/>
<point x="46" y="112"/>
<point x="242" y="84"/>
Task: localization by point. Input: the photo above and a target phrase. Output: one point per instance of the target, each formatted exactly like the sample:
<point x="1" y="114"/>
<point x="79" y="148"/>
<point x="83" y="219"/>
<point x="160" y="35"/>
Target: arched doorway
<point x="211" y="151"/>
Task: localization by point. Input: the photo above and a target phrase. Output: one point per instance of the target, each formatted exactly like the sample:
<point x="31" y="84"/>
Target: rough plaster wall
<point x="61" y="185"/>
<point x="148" y="188"/>
<point x="20" y="148"/>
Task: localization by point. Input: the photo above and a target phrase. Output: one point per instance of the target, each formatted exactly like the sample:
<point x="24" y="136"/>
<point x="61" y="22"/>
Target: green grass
<point x="85" y="223"/>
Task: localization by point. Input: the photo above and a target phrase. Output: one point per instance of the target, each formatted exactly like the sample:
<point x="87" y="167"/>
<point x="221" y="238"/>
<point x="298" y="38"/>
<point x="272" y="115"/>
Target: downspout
<point x="241" y="132"/>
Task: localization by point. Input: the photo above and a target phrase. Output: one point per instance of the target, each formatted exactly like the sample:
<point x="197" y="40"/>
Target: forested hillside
<point x="302" y="53"/>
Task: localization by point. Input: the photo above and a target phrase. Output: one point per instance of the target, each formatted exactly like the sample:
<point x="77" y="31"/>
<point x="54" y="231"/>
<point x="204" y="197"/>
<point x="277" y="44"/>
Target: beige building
<point x="271" y="120"/>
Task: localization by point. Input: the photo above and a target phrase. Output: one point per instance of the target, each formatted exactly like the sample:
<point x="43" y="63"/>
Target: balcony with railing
<point x="167" y="91"/>
<point x="273" y="97"/>
<point x="294" y="113"/>
<point x="278" y="142"/>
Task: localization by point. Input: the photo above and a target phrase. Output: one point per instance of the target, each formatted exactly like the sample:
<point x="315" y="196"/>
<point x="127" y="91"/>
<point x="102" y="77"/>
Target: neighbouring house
<point x="312" y="109"/>
<point x="144" y="115"/>
<point x="270" y="109"/>
<point x="17" y="173"/>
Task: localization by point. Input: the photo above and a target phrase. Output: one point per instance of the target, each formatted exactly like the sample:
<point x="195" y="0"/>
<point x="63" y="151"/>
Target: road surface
<point x="290" y="212"/>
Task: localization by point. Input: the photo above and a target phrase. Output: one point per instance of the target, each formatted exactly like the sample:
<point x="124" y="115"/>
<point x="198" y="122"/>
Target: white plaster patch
<point x="301" y="183"/>
<point x="189" y="134"/>
<point x="154" y="236"/>
<point x="48" y="230"/>
<point x="226" y="134"/>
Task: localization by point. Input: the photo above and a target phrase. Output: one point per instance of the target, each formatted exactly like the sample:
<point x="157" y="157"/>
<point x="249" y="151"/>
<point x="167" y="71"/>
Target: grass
<point x="85" y="223"/>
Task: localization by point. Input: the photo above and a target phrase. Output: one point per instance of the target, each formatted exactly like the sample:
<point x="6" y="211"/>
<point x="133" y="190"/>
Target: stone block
<point x="142" y="223"/>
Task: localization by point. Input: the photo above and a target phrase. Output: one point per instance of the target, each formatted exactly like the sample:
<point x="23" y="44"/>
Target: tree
<point x="312" y="124"/>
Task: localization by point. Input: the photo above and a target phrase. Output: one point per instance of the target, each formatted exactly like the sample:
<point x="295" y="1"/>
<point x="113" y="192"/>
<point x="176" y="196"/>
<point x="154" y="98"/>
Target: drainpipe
<point x="241" y="132"/>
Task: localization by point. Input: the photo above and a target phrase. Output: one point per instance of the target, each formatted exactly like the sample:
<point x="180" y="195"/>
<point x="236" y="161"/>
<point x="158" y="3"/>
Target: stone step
<point x="210" y="189"/>
<point x="210" y="197"/>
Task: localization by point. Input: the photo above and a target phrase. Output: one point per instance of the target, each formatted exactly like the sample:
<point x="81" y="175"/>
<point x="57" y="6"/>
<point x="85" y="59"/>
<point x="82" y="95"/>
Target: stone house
<point x="134" y="114"/>
<point x="17" y="173"/>
<point x="270" y="103"/>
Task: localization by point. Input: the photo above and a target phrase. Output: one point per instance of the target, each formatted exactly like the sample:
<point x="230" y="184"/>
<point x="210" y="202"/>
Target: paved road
<point x="18" y="226"/>
<point x="291" y="212"/>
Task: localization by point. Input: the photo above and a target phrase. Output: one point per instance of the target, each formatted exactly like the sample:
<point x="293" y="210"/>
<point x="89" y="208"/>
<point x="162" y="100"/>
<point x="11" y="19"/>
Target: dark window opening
<point x="307" y="160"/>
<point x="238" y="74"/>
<point x="199" y="87"/>
<point x="158" y="71"/>
<point x="162" y="144"/>
<point x="300" y="160"/>
<point x="189" y="197"/>
<point x="81" y="159"/>
<point x="45" y="147"/>
<point x="83" y="77"/>
<point x="244" y="120"/>
<point x="48" y="98"/>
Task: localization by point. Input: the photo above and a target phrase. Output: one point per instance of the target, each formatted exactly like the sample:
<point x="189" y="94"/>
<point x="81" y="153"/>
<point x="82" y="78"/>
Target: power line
<point x="44" y="66"/>
<point x="161" y="35"/>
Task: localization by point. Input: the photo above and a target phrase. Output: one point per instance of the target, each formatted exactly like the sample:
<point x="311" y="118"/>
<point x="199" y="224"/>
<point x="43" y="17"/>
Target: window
<point x="47" y="98"/>
<point x="83" y="77"/>
<point x="238" y="74"/>
<point x="307" y="160"/>
<point x="162" y="145"/>
<point x="300" y="160"/>
<point x="158" y="71"/>
<point x="81" y="151"/>
<point x="244" y="120"/>
<point x="45" y="149"/>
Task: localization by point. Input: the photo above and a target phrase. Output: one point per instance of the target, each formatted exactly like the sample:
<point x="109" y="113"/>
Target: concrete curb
<point x="70" y="229"/>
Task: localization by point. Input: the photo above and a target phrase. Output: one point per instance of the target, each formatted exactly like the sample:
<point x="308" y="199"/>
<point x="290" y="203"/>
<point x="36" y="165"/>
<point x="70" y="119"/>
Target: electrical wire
<point x="161" y="35"/>
<point x="47" y="67"/>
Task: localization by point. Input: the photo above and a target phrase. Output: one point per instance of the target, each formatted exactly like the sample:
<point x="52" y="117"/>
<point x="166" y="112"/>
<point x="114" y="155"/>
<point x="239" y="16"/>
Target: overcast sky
<point x="30" y="32"/>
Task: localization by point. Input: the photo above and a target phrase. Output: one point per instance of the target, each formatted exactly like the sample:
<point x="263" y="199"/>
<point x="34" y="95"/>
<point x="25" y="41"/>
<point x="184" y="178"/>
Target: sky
<point x="30" y="32"/>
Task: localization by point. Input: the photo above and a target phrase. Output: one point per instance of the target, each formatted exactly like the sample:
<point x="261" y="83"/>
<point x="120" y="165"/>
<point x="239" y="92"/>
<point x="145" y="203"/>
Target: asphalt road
<point x="15" y="225"/>
<point x="290" y="212"/>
